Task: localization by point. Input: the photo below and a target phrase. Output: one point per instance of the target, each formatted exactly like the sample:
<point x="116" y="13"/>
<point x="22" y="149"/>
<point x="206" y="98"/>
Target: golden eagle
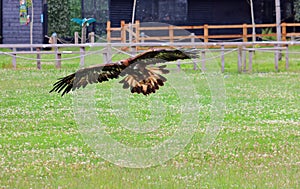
<point x="139" y="73"/>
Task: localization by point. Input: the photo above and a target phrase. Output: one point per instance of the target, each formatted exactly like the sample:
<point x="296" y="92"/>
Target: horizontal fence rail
<point x="136" y="32"/>
<point x="241" y="47"/>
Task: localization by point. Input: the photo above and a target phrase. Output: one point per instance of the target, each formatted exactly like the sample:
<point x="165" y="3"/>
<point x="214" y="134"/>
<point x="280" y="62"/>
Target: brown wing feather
<point x="89" y="75"/>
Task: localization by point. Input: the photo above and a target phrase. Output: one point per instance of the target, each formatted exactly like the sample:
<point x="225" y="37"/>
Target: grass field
<point x="258" y="146"/>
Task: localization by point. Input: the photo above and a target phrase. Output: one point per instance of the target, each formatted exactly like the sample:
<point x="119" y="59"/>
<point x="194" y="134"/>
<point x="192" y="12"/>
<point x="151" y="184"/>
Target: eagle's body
<point x="138" y="72"/>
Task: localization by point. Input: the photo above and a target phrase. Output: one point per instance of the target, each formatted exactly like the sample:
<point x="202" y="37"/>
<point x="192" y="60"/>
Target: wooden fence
<point x="135" y="32"/>
<point x="241" y="48"/>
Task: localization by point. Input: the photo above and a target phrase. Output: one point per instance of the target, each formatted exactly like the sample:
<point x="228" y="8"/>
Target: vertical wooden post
<point x="107" y="54"/>
<point x="142" y="37"/>
<point x="137" y="31"/>
<point x="171" y="33"/>
<point x="108" y="31"/>
<point x="203" y="67"/>
<point x="123" y="31"/>
<point x="283" y="25"/>
<point x="57" y="54"/>
<point x="38" y="58"/>
<point x="277" y="54"/>
<point x="83" y="34"/>
<point x="92" y="37"/>
<point x="245" y="33"/>
<point x="14" y="58"/>
<point x="58" y="60"/>
<point x="250" y="60"/>
<point x="222" y="58"/>
<point x="82" y="55"/>
<point x="76" y="36"/>
<point x="193" y="37"/>
<point x="206" y="33"/>
<point x="244" y="55"/>
<point x="195" y="64"/>
<point x="240" y="52"/>
<point x="287" y="57"/>
<point x="131" y="37"/>
<point x="178" y="65"/>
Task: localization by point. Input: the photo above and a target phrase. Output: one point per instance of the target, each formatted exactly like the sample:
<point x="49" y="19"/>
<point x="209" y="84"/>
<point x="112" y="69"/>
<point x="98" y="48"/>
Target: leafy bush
<point x="297" y="10"/>
<point x="59" y="17"/>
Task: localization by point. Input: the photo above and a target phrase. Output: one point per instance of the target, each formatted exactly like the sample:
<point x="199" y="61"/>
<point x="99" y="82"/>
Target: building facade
<point x="14" y="26"/>
<point x="198" y="12"/>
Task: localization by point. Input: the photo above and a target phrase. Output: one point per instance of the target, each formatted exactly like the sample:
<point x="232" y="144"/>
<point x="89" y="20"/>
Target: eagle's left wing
<point x="89" y="75"/>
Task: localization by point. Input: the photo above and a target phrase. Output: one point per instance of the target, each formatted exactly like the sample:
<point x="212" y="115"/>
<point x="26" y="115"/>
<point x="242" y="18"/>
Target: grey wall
<point x="15" y="33"/>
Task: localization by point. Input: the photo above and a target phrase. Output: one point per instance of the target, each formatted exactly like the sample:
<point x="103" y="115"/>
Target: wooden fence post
<point x="57" y="54"/>
<point x="244" y="58"/>
<point x="107" y="54"/>
<point x="108" y="31"/>
<point x="195" y="64"/>
<point x="203" y="67"/>
<point x="240" y="52"/>
<point x="222" y="58"/>
<point x="92" y="37"/>
<point x="171" y="33"/>
<point x="277" y="56"/>
<point x="206" y="33"/>
<point x="14" y="58"/>
<point x="58" y="60"/>
<point x="178" y="65"/>
<point x="38" y="58"/>
<point x="137" y="34"/>
<point x="283" y="25"/>
<point x="193" y="37"/>
<point x="250" y="60"/>
<point x="82" y="55"/>
<point x="76" y="37"/>
<point x="142" y="37"/>
<point x="287" y="57"/>
<point x="123" y="31"/>
<point x="245" y="33"/>
<point x="137" y="31"/>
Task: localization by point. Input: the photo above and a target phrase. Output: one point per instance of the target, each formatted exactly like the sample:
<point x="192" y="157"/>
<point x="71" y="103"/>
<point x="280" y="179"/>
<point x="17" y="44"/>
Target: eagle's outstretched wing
<point x="140" y="76"/>
<point x="162" y="55"/>
<point x="88" y="75"/>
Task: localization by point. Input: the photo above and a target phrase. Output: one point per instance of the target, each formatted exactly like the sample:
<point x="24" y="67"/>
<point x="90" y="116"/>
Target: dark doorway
<point x="45" y="22"/>
<point x="120" y="10"/>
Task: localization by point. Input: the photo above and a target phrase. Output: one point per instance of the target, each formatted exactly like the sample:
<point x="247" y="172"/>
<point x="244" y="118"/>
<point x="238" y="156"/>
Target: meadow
<point x="257" y="146"/>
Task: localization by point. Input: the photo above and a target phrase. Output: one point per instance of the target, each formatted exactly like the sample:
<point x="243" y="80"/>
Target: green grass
<point x="41" y="145"/>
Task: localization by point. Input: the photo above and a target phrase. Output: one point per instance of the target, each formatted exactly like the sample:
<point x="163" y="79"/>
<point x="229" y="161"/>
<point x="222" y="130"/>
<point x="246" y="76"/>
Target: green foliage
<point x="29" y="3"/>
<point x="297" y="10"/>
<point x="268" y="31"/>
<point x="75" y="12"/>
<point x="60" y="14"/>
